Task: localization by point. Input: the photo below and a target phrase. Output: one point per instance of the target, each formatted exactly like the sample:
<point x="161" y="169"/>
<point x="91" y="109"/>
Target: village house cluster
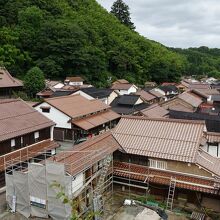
<point x="161" y="140"/>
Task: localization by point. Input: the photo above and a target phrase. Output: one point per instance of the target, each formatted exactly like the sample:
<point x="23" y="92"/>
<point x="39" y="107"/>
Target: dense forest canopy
<point x="79" y="37"/>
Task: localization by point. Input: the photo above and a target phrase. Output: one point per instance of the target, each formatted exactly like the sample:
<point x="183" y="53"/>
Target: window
<point x="158" y="164"/>
<point x="12" y="143"/>
<point x="45" y="109"/>
<point x="36" y="136"/>
<point x="22" y="141"/>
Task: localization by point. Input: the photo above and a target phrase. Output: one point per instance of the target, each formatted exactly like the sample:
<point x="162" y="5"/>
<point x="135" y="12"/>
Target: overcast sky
<point x="176" y="23"/>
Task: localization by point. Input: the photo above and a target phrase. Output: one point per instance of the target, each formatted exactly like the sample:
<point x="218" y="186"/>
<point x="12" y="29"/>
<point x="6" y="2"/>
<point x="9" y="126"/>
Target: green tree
<point x="34" y="81"/>
<point x="121" y="11"/>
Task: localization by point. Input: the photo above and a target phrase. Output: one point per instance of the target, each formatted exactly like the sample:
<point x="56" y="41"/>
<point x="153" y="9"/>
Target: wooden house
<point x="77" y="117"/>
<point x="8" y="84"/>
<point x="23" y="130"/>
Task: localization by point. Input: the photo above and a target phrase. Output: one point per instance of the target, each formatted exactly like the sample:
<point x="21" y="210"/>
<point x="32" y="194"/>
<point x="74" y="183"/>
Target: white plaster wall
<point x="59" y="86"/>
<point x="139" y="101"/>
<point x="55" y="115"/>
<point x="77" y="182"/>
<point x="75" y="83"/>
<point x="132" y="89"/>
<point x="112" y="96"/>
<point x="83" y="94"/>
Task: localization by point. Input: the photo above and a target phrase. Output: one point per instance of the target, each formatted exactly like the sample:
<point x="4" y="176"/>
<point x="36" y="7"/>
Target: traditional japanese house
<point x="24" y="133"/>
<point x="77" y="117"/>
<point x="8" y="84"/>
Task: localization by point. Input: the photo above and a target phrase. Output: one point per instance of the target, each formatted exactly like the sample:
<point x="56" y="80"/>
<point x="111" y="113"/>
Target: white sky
<point x="176" y="23"/>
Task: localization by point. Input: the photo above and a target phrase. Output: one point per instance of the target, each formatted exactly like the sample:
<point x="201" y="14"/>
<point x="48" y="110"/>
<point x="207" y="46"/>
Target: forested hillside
<point x="202" y="61"/>
<point x="79" y="37"/>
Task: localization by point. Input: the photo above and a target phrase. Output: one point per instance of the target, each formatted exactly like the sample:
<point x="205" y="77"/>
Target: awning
<point x="96" y="120"/>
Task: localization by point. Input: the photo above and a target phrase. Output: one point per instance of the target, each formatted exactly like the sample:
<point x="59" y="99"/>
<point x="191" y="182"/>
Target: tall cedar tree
<point x="121" y="11"/>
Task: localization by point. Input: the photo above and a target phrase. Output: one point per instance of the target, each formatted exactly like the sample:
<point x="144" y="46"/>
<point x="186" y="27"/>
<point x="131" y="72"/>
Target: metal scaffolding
<point x="97" y="181"/>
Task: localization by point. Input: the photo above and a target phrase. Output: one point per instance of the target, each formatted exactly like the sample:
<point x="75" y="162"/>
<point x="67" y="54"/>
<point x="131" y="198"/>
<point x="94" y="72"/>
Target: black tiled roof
<point x="169" y="88"/>
<point x="126" y="104"/>
<point x="128" y="99"/>
<point x="59" y="93"/>
<point x="212" y="121"/>
<point x="97" y="93"/>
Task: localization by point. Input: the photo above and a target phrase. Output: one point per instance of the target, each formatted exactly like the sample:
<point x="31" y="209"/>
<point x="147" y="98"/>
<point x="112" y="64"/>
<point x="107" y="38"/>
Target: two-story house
<point x="8" y="84"/>
<point x="77" y="117"/>
<point x="24" y="133"/>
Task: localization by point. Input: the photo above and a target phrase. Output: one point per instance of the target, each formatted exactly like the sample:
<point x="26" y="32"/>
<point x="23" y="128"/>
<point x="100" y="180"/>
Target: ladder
<point x="147" y="181"/>
<point x="97" y="196"/>
<point x="171" y="194"/>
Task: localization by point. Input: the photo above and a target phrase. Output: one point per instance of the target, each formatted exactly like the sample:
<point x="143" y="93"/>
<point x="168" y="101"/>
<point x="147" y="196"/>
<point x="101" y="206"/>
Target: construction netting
<point x="32" y="192"/>
<point x="56" y="174"/>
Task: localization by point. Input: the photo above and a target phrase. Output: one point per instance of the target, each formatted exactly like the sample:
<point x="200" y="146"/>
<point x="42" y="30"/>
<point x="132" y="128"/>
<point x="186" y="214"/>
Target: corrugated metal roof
<point x="76" y="105"/>
<point x="160" y="138"/>
<point x="6" y="80"/>
<point x="96" y="120"/>
<point x="18" y="118"/>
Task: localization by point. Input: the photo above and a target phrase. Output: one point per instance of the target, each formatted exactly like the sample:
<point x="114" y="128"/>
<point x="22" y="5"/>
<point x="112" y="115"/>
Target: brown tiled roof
<point x="156" y="93"/>
<point x="213" y="137"/>
<point x="18" y="118"/>
<point x="75" y="79"/>
<point x="121" y="86"/>
<point x="199" y="86"/>
<point x="191" y="99"/>
<point x="87" y="153"/>
<point x="145" y="95"/>
<point x="26" y="153"/>
<point x="140" y="173"/>
<point x="206" y="92"/>
<point x="160" y="138"/>
<point x="96" y="120"/>
<point x="45" y="93"/>
<point x="121" y="81"/>
<point x="155" y="111"/>
<point x="180" y="107"/>
<point x="6" y="80"/>
<point x="208" y="162"/>
<point x="76" y="105"/>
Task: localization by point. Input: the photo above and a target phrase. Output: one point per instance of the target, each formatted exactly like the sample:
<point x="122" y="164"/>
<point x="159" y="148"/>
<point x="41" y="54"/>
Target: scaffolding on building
<point x="30" y="182"/>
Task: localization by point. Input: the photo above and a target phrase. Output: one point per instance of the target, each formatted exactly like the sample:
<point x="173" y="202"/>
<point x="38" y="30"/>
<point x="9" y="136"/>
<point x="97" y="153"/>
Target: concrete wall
<point x="55" y="115"/>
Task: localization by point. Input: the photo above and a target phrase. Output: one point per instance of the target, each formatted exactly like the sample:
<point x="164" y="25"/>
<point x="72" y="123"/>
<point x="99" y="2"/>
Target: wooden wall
<point x="28" y="139"/>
